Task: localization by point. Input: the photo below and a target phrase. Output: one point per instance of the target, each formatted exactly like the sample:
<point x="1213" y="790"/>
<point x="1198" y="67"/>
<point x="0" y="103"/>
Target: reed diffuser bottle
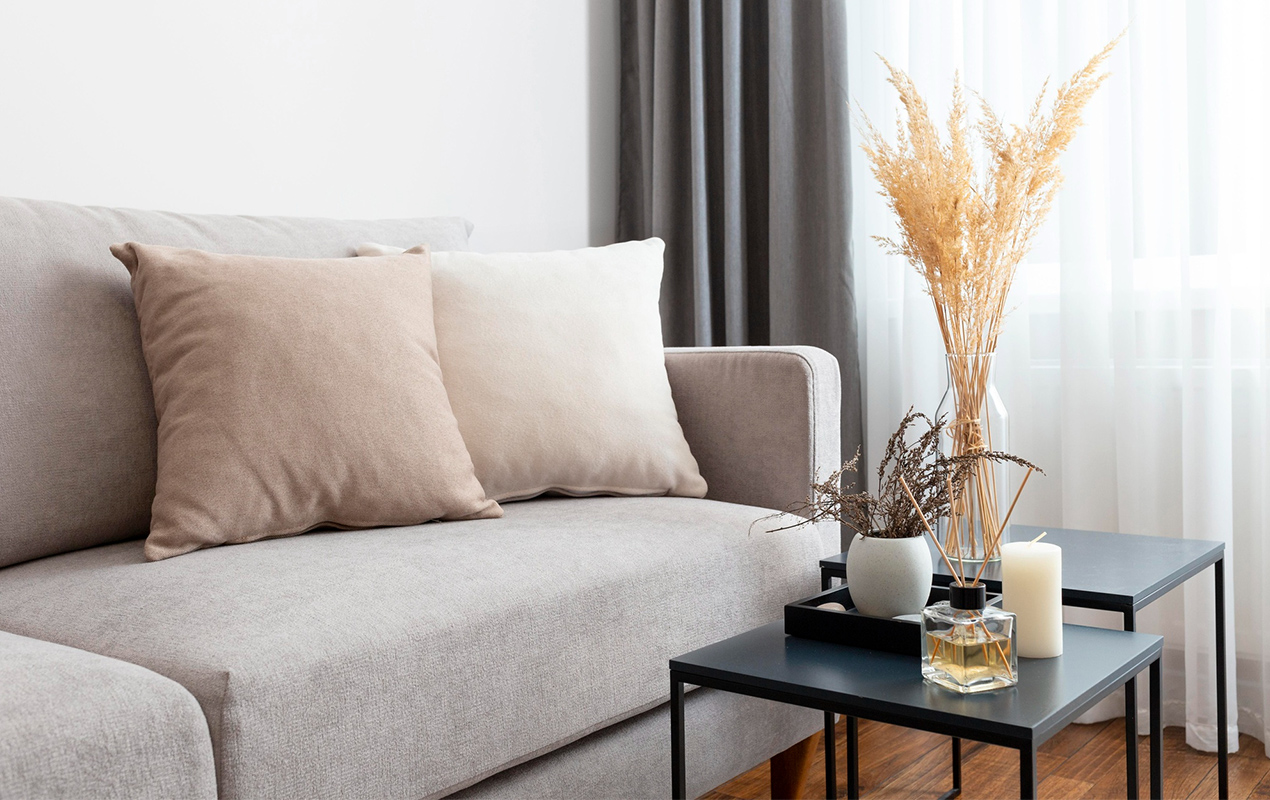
<point x="967" y="645"/>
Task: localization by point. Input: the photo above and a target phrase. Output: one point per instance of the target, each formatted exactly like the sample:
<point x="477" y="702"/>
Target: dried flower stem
<point x="929" y="474"/>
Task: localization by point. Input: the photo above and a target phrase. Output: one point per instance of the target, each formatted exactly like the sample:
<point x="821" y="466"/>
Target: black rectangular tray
<point x="903" y="636"/>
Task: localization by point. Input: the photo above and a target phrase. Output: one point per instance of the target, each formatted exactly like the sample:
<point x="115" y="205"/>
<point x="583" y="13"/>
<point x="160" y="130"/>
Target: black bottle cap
<point x="968" y="598"/>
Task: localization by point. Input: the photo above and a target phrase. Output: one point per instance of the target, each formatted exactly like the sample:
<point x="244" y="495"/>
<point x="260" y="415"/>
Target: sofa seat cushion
<point x="410" y="662"/>
<point x="75" y="724"/>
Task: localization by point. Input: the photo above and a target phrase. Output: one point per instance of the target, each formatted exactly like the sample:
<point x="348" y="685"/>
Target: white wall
<point x="498" y="110"/>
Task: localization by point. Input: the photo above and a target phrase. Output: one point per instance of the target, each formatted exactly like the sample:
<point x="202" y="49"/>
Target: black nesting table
<point x="856" y="682"/>
<point x="1123" y="573"/>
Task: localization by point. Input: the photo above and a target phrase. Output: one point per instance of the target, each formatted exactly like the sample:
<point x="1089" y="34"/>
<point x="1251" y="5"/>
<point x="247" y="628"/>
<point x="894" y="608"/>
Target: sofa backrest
<point x="77" y="426"/>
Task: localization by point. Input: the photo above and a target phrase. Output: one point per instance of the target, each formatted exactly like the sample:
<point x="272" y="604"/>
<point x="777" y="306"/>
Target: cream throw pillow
<point x="555" y="369"/>
<point x="293" y="394"/>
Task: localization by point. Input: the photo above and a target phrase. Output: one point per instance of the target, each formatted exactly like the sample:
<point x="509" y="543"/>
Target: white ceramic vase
<point x="889" y="577"/>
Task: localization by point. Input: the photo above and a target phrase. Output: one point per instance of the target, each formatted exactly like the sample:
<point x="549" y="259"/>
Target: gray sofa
<point x="520" y="657"/>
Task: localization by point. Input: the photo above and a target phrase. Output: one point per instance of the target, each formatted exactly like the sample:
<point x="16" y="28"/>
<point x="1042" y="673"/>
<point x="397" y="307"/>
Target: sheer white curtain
<point x="1134" y="363"/>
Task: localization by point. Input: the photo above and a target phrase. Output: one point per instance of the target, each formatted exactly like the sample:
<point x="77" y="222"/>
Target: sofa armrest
<point x="78" y="724"/>
<point x="763" y="422"/>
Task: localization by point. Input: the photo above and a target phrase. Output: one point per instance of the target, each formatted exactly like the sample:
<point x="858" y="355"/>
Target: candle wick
<point x="1039" y="538"/>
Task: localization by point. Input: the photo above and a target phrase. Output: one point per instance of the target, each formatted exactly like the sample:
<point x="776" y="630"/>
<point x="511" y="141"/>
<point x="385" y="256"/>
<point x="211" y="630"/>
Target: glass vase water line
<point x="977" y="420"/>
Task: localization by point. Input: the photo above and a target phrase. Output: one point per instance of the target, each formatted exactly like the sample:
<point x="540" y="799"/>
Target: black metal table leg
<point x="825" y="580"/>
<point x="1027" y="772"/>
<point x="1223" y="746"/>
<point x="678" y="769"/>
<point x="1131" y="722"/>
<point x="853" y="759"/>
<point x="1157" y="733"/>
<point x="831" y="758"/>
<point x="956" y="771"/>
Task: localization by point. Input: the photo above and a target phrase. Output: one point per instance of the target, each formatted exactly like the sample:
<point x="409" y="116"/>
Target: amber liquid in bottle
<point x="970" y="660"/>
<point x="969" y="650"/>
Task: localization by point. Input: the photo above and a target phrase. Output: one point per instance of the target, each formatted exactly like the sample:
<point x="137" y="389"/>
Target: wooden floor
<point x="1083" y="761"/>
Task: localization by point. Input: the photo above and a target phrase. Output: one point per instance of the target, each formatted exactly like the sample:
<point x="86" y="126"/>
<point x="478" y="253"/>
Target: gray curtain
<point x="735" y="149"/>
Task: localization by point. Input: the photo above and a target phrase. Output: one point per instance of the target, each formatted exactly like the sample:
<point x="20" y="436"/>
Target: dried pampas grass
<point x="966" y="234"/>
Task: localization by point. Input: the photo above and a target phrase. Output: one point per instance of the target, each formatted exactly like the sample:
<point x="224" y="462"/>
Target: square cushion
<point x="400" y="663"/>
<point x="293" y="394"/>
<point x="76" y="411"/>
<point x="555" y="368"/>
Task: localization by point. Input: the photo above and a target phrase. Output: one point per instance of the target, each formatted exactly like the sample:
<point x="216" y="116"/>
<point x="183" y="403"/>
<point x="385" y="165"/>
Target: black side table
<point x="1124" y="573"/>
<point x="836" y="678"/>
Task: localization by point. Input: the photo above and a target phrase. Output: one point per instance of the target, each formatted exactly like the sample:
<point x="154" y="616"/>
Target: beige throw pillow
<point x="293" y="394"/>
<point x="555" y="368"/>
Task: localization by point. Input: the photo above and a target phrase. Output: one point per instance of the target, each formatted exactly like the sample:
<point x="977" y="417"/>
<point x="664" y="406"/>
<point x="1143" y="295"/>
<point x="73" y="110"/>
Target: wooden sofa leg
<point x="790" y="768"/>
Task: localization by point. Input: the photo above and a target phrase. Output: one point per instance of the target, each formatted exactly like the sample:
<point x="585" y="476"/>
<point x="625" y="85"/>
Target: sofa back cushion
<point x="556" y="371"/>
<point x="293" y="394"/>
<point x="77" y="464"/>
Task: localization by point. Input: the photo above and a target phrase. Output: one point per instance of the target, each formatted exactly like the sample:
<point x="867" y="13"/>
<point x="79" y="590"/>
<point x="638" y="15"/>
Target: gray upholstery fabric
<point x="76" y="413"/>
<point x="762" y="422"/>
<point x="726" y="734"/>
<point x="408" y="662"/>
<point x="76" y="725"/>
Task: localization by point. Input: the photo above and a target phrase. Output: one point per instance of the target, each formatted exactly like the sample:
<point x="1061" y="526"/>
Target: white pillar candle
<point x="1032" y="588"/>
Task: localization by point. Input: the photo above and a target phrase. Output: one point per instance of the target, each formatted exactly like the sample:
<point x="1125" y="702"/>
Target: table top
<point x="1051" y="692"/>
<point x="1112" y="571"/>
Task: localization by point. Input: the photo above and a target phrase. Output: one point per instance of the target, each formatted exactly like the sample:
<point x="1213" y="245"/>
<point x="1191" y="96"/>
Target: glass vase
<point x="977" y="420"/>
<point x="967" y="645"/>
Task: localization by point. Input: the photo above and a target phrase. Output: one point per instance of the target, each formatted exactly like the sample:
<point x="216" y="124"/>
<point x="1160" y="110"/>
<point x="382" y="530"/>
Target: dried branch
<point x="929" y="473"/>
<point x="917" y="484"/>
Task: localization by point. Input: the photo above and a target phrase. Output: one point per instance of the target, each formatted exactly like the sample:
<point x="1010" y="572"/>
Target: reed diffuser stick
<point x="954" y="525"/>
<point x="959" y="576"/>
<point x="1017" y="494"/>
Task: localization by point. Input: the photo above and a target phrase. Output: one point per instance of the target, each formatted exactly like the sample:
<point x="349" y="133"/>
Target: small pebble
<point x="833" y="607"/>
